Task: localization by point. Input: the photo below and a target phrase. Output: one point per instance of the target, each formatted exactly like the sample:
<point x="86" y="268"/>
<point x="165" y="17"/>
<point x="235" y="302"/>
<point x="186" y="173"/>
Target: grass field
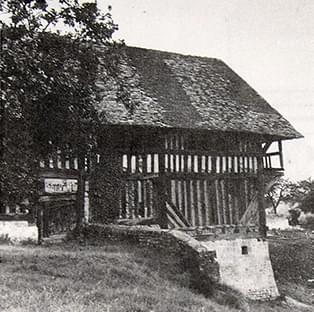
<point x="115" y="277"/>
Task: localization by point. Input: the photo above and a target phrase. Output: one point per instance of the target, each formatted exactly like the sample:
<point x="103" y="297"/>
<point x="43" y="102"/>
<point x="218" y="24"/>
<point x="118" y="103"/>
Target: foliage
<point x="294" y="215"/>
<point x="307" y="221"/>
<point x="279" y="192"/>
<point x="48" y="84"/>
<point x="302" y="194"/>
<point x="299" y="193"/>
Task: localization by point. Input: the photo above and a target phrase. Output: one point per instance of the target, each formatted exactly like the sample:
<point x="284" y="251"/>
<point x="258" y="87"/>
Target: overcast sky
<point x="269" y="43"/>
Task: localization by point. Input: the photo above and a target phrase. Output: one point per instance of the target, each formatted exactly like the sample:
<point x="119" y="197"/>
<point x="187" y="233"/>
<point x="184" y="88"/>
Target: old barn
<point x="186" y="143"/>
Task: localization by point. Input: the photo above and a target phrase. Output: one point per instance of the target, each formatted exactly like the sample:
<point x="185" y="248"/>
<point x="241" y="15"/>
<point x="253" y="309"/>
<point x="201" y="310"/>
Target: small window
<point x="244" y="250"/>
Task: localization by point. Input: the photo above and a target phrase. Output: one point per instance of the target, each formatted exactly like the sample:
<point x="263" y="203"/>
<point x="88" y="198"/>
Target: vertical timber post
<point x="161" y="189"/>
<point x="39" y="221"/>
<point x="80" y="192"/>
<point x="260" y="197"/>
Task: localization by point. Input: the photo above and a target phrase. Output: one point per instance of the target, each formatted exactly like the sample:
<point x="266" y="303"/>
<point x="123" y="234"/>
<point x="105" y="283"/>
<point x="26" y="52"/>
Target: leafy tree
<point x="48" y="86"/>
<point x="306" y="204"/>
<point x="280" y="191"/>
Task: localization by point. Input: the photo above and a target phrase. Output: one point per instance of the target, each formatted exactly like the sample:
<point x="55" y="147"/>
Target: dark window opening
<point x="245" y="250"/>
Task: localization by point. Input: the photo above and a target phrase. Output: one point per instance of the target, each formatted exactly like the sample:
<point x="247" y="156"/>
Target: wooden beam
<point x="260" y="197"/>
<point x="280" y="154"/>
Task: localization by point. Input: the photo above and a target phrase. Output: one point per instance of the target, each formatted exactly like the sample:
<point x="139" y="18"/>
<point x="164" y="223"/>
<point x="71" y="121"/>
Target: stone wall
<point x="194" y="256"/>
<point x="245" y="265"/>
<point x="241" y="263"/>
<point x="226" y="231"/>
<point x="17" y="232"/>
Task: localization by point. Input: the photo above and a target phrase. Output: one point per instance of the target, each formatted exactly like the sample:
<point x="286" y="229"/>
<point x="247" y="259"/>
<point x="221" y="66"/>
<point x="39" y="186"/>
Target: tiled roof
<point x="172" y="90"/>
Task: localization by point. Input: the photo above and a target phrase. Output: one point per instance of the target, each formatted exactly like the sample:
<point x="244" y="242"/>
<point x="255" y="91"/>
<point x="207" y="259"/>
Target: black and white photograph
<point x="156" y="156"/>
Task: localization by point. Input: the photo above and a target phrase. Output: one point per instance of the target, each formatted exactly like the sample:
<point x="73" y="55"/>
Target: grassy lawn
<point x="116" y="277"/>
<point x="293" y="265"/>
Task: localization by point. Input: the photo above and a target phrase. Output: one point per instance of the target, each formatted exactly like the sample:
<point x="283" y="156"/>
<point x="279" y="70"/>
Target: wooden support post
<point x="39" y="222"/>
<point x="160" y="201"/>
<point x="80" y="192"/>
<point x="280" y="154"/>
<point x="160" y="193"/>
<point x="260" y="197"/>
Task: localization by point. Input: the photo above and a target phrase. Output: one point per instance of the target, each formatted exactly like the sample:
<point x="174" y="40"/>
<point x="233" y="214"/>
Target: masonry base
<point x="17" y="232"/>
<point x="244" y="264"/>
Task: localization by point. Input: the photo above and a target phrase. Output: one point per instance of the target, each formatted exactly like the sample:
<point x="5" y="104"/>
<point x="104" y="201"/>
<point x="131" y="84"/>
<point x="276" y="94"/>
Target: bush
<point x="307" y="221"/>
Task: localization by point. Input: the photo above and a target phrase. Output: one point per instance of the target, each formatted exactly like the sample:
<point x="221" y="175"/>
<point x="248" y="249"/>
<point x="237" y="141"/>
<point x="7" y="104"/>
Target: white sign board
<point x="60" y="186"/>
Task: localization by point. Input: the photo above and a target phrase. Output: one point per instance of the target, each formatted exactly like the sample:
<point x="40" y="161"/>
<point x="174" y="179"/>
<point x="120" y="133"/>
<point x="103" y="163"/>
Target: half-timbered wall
<point x="210" y="179"/>
<point x="201" y="178"/>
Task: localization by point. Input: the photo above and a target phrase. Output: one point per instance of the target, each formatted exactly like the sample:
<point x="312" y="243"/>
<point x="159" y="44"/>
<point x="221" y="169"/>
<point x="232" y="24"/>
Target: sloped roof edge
<point x="172" y="90"/>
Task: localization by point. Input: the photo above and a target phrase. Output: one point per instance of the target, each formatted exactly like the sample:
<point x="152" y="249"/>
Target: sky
<point x="269" y="43"/>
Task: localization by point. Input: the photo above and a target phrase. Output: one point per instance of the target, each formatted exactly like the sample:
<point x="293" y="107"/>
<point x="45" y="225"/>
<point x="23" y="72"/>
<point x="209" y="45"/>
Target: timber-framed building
<point x="195" y="146"/>
<point x="184" y="143"/>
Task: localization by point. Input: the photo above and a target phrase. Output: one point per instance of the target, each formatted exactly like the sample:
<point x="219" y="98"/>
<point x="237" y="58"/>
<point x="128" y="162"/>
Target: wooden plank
<point x="185" y="163"/>
<point x="176" y="190"/>
<point x="232" y="164"/>
<point x="123" y="201"/>
<point x="207" y="204"/>
<point x="127" y="200"/>
<point x="242" y="199"/>
<point x="182" y="198"/>
<point x="261" y="198"/>
<point x="129" y="167"/>
<point x="199" y="163"/>
<point x="137" y="163"/>
<point x="149" y="198"/>
<point x="144" y="163"/>
<point x="198" y="201"/>
<point x="153" y="163"/>
<point x="160" y="199"/>
<point x="220" y="164"/>
<point x="189" y="201"/>
<point x="140" y="199"/>
<point x="231" y="201"/>
<point x="58" y="159"/>
<point x="182" y="161"/>
<point x="224" y="202"/>
<point x="185" y="199"/>
<point x="203" y="219"/>
<point x="248" y="164"/>
<point x="196" y="163"/>
<point x="194" y="203"/>
<point x="219" y="208"/>
<point x="166" y="142"/>
<point x="135" y="199"/>
<point x="192" y="163"/>
<point x="239" y="164"/>
<point x="177" y="163"/>
<point x="226" y="160"/>
<point x="156" y="163"/>
<point x="179" y="204"/>
<point x="236" y="207"/>
<point x="63" y="158"/>
<point x="207" y="167"/>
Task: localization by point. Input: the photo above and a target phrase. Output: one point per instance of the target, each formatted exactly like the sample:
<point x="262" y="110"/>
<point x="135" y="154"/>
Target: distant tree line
<point x="299" y="195"/>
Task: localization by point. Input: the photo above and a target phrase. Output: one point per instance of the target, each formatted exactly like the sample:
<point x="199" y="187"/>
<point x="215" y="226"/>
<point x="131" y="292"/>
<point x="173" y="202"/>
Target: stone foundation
<point x="240" y="263"/>
<point x="244" y="264"/>
<point x="17" y="232"/>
